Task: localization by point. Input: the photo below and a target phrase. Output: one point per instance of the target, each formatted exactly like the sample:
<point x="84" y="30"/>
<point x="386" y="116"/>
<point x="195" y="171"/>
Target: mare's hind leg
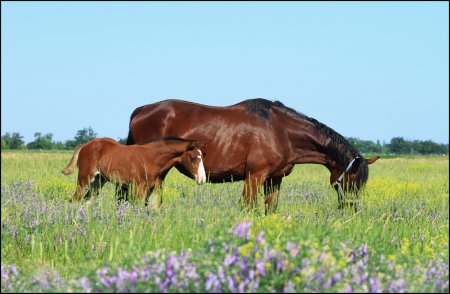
<point x="271" y="192"/>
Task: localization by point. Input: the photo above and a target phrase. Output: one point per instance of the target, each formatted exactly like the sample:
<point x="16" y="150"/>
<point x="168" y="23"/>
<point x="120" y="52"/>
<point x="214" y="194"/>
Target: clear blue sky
<point x="371" y="70"/>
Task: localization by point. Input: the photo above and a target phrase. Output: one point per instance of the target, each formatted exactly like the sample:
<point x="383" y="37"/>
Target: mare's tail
<point x="130" y="140"/>
<point x="69" y="168"/>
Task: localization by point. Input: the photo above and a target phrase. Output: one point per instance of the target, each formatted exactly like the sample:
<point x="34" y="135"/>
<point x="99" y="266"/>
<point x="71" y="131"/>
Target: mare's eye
<point x="192" y="158"/>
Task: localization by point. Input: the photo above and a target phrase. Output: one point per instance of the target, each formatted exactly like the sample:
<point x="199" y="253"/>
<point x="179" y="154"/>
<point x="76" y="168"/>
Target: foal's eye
<point x="192" y="158"/>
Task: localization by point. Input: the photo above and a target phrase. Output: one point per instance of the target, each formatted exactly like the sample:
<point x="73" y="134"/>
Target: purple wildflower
<point x="260" y="237"/>
<point x="225" y="246"/>
<point x="230" y="259"/>
<point x="230" y="284"/>
<point x="363" y="250"/>
<point x="374" y="282"/>
<point x="260" y="267"/>
<point x="33" y="223"/>
<point x="292" y="248"/>
<point x="242" y="230"/>
<point x="322" y="256"/>
<point x="84" y="282"/>
<point x="348" y="289"/>
<point x="289" y="287"/>
<point x="212" y="283"/>
<point x="171" y="261"/>
<point x="336" y="278"/>
<point x="363" y="278"/>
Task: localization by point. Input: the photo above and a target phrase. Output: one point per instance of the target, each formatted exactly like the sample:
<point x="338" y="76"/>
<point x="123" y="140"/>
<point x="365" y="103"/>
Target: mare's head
<point x="350" y="177"/>
<point x="192" y="161"/>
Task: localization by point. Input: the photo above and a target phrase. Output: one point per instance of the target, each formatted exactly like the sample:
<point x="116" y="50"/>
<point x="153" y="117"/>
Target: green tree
<point x="12" y="141"/>
<point x="82" y="136"/>
<point x="398" y="145"/>
<point x="59" y="145"/>
<point x="41" y="142"/>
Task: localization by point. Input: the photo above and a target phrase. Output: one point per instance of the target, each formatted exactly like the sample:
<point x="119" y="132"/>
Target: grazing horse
<point x="103" y="160"/>
<point x="256" y="140"/>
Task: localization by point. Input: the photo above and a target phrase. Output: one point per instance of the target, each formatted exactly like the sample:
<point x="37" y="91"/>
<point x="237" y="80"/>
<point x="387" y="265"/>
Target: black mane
<point x="261" y="107"/>
<point x="338" y="147"/>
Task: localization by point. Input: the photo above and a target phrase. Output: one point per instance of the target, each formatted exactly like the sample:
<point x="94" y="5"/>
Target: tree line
<point x="41" y="141"/>
<point x="397" y="145"/>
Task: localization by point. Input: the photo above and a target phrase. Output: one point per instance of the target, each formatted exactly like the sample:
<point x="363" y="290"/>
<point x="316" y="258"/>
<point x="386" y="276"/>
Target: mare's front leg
<point x="252" y="186"/>
<point x="271" y="193"/>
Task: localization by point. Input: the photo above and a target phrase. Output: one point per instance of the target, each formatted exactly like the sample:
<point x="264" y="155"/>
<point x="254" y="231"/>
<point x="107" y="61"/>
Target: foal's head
<point x="192" y="161"/>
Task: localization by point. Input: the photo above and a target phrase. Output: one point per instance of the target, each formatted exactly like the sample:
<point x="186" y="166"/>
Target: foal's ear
<point x="372" y="160"/>
<point x="191" y="146"/>
<point x="201" y="146"/>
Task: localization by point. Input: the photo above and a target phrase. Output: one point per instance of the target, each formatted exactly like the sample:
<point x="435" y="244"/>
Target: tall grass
<point x="404" y="219"/>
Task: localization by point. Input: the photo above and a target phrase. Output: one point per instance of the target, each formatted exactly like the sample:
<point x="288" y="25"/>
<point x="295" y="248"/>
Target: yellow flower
<point x="405" y="246"/>
<point x="244" y="250"/>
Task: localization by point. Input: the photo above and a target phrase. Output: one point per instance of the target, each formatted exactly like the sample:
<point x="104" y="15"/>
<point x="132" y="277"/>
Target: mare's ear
<point x="372" y="160"/>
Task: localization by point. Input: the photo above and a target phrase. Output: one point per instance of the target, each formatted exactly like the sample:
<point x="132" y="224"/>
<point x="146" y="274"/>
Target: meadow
<point x="201" y="241"/>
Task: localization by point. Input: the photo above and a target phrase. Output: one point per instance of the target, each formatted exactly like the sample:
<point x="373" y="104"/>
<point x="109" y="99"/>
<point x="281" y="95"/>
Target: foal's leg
<point x="86" y="175"/>
<point x="95" y="186"/>
<point x="155" y="193"/>
<point x="140" y="192"/>
<point x="154" y="197"/>
<point x="82" y="188"/>
<point x="121" y="192"/>
<point x="271" y="192"/>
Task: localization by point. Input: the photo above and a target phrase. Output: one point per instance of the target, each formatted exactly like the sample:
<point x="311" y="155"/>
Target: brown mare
<point x="256" y="140"/>
<point x="144" y="166"/>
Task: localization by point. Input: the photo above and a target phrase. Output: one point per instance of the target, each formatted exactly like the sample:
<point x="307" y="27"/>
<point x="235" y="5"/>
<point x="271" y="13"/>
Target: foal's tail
<point x="69" y="168"/>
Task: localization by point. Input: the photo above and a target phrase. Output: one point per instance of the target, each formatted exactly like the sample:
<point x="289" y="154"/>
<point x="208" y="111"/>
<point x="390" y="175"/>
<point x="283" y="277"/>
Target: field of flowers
<point x="200" y="241"/>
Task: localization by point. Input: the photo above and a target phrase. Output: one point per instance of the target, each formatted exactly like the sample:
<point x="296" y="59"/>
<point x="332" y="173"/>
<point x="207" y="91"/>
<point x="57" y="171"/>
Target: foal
<point x="144" y="166"/>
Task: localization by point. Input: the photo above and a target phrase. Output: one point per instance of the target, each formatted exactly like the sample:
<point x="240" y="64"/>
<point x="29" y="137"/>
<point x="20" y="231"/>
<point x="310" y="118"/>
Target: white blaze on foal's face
<point x="201" y="174"/>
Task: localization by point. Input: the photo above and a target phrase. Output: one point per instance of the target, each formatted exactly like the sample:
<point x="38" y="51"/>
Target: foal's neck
<point x="170" y="153"/>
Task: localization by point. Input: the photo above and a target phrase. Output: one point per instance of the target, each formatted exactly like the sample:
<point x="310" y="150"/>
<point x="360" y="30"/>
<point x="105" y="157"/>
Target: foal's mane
<point x="339" y="149"/>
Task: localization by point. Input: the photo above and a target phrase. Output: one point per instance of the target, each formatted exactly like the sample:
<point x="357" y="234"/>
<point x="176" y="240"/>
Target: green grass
<point x="404" y="218"/>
